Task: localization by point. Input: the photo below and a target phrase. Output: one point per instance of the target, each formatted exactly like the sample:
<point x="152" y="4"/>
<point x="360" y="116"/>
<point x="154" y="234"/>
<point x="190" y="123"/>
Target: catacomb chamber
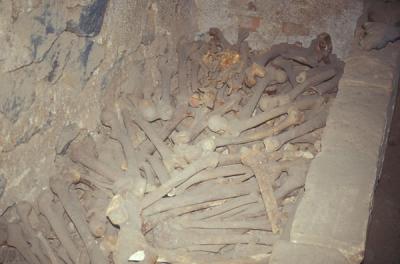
<point x="190" y="131"/>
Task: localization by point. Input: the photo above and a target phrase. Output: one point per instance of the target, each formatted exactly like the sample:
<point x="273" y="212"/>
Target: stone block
<point x="335" y="209"/>
<point x="367" y="70"/>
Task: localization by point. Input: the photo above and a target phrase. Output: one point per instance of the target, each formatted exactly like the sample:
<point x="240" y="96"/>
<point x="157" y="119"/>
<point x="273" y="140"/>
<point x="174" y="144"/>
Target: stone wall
<point x="60" y="59"/>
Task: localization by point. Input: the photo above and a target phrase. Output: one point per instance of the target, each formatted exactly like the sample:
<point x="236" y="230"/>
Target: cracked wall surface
<point x="60" y="59"/>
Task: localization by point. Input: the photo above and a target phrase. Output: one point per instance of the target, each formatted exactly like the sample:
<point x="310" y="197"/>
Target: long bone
<point x="74" y="210"/>
<point x="209" y="161"/>
<point x="294" y="117"/>
<point x="221" y="171"/>
<point x="16" y="239"/>
<point x="170" y="159"/>
<point x="189" y="237"/>
<point x="227" y="206"/>
<point x="153" y="220"/>
<point x="275" y="142"/>
<point x="79" y="155"/>
<point x="273" y="75"/>
<point x="314" y="77"/>
<point x="257" y="161"/>
<point x="180" y="114"/>
<point x="236" y="127"/>
<point x="158" y="168"/>
<point x="199" y="195"/>
<point x="58" y="224"/>
<point x="261" y="224"/>
<point x="287" y="66"/>
<point x="318" y="51"/>
<point x="119" y="133"/>
<point x="201" y="123"/>
<point x="23" y="210"/>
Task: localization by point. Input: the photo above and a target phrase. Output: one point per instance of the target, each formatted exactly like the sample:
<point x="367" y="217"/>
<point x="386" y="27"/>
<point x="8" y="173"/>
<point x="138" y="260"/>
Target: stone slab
<point x="285" y="252"/>
<point x="335" y="209"/>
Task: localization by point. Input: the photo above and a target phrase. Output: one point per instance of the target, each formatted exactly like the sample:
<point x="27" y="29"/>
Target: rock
<point x="90" y="20"/>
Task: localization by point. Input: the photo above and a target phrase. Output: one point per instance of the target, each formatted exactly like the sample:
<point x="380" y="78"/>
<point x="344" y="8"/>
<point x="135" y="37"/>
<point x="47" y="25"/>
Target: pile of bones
<point x="205" y="167"/>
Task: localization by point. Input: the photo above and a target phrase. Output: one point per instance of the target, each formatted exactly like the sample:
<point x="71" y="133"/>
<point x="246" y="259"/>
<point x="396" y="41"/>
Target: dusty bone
<point x="273" y="75"/>
<point x="314" y="77"/>
<point x="180" y="114"/>
<point x="36" y="239"/>
<point x="318" y="51"/>
<point x="257" y="161"/>
<point x="151" y="178"/>
<point x="154" y="220"/>
<point x="209" y="161"/>
<point x="227" y="206"/>
<point x="119" y="133"/>
<point x="159" y="168"/>
<point x="236" y="127"/>
<point x="294" y="117"/>
<point x="16" y="239"/>
<point x="58" y="224"/>
<point x="201" y="194"/>
<point x="201" y="123"/>
<point x="261" y="224"/>
<point x="79" y="155"/>
<point x="275" y="142"/>
<point x="73" y="208"/>
<point x="124" y="211"/>
<point x="170" y="159"/>
<point x="172" y="238"/>
<point x="287" y="66"/>
<point x="222" y="171"/>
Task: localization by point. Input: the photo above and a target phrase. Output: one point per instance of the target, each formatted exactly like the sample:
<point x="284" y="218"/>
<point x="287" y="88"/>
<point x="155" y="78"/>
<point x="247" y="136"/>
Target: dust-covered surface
<point x="65" y="63"/>
<point x="51" y="76"/>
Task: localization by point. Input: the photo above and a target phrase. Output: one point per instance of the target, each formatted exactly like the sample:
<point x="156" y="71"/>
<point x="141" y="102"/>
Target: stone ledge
<point x="334" y="212"/>
<point x="285" y="252"/>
